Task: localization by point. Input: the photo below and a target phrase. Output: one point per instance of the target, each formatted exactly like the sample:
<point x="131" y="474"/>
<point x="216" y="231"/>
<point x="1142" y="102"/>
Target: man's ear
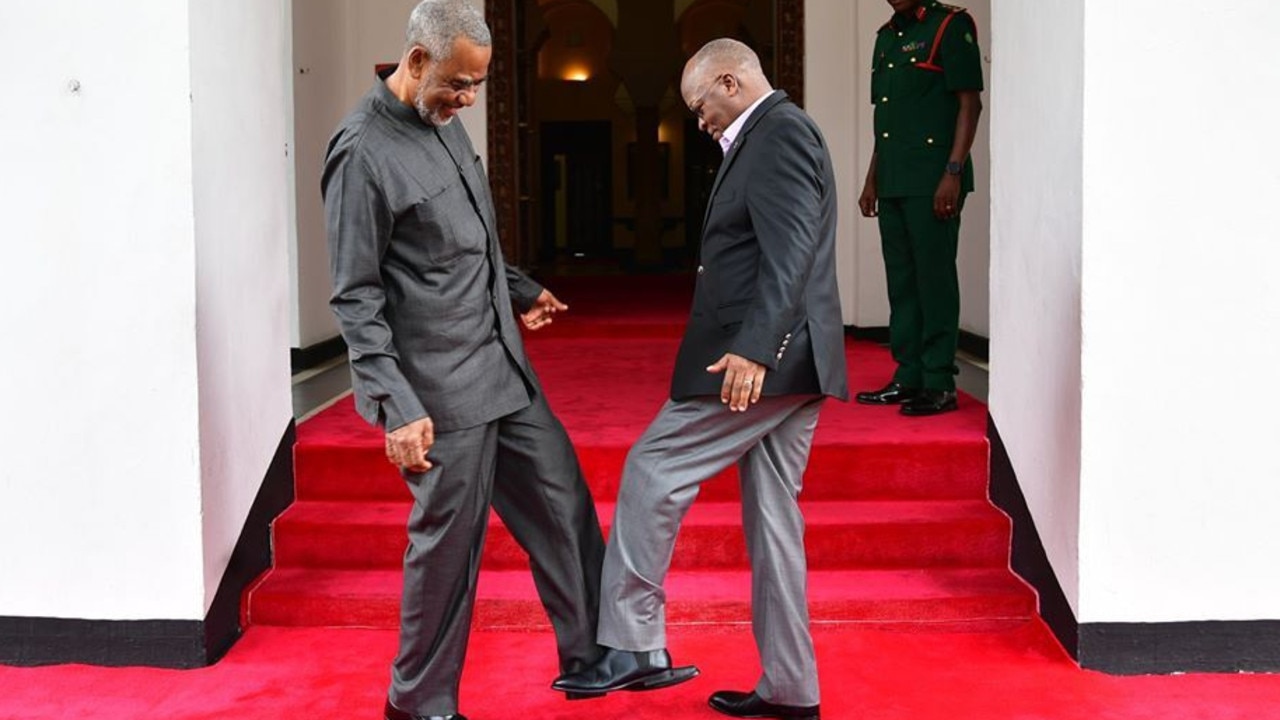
<point x="731" y="84"/>
<point x="419" y="62"/>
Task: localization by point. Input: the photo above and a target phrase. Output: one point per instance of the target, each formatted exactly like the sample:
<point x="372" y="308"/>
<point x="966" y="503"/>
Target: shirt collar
<point x="731" y="133"/>
<point x="388" y="99"/>
<point x="902" y="21"/>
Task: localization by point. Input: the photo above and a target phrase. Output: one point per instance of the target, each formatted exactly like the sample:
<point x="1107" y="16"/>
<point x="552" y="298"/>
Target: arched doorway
<point x="594" y="163"/>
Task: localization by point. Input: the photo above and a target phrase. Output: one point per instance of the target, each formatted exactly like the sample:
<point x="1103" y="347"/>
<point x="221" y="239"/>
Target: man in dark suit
<point x="424" y="301"/>
<point x="763" y="348"/>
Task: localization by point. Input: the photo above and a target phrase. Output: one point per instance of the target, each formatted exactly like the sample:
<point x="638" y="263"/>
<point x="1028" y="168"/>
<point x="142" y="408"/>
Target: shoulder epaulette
<point x="953" y="9"/>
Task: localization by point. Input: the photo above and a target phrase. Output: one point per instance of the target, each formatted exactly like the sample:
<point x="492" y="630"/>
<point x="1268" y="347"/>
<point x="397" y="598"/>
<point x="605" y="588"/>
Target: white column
<point x="1180" y="478"/>
<point x="1036" y="194"/>
<point x="100" y="477"/>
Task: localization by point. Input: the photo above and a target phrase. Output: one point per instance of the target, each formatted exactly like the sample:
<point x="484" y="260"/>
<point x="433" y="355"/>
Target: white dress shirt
<point x="731" y="133"/>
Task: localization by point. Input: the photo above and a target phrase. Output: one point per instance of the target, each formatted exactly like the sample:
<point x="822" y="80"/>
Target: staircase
<point x="899" y="528"/>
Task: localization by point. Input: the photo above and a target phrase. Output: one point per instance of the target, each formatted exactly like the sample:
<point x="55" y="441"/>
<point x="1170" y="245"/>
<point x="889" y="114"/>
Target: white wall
<point x="973" y="258"/>
<point x="99" y="455"/>
<point x="1180" y="481"/>
<point x="831" y="67"/>
<point x="839" y="38"/>
<point x="239" y="142"/>
<point x="336" y="45"/>
<point x="1036" y="154"/>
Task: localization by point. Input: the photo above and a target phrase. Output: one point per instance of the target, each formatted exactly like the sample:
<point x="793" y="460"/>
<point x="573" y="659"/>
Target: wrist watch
<point x="955" y="168"/>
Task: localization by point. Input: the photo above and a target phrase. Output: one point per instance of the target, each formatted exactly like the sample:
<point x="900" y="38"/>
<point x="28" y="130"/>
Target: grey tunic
<point x="414" y="257"/>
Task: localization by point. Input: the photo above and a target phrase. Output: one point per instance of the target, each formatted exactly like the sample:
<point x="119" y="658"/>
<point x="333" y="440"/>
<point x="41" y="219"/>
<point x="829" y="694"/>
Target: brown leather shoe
<point x="891" y="394"/>
<point x="751" y="705"/>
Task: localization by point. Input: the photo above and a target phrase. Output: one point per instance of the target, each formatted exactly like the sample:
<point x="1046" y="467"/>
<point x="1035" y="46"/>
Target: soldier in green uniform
<point x="925" y="85"/>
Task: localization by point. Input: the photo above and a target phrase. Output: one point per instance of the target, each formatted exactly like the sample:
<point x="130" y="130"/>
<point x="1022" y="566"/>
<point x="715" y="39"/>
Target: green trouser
<point x="924" y="291"/>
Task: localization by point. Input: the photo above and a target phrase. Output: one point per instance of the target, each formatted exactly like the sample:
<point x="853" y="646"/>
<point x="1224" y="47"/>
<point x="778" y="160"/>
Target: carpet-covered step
<point x="838" y="535"/>
<point x="506" y="599"/>
<point x="837" y="471"/>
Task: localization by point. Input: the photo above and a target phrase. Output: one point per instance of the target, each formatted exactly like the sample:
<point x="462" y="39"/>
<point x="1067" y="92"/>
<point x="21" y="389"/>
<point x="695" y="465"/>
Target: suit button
<point x="701" y="269"/>
<point x="787" y="336"/>
<point x="779" y="356"/>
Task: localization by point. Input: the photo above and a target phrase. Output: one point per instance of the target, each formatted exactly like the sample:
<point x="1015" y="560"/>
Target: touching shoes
<point x="624" y="670"/>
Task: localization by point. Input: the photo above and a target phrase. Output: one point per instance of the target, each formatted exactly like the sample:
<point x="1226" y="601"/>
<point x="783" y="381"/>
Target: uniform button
<point x="913" y="59"/>
<point x="929" y="140"/>
<point x="899" y="34"/>
<point x="890" y="66"/>
<point x="701" y="269"/>
<point x="884" y="135"/>
<point x="884" y="99"/>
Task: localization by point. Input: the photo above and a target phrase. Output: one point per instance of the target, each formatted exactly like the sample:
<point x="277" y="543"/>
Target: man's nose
<point x="467" y="97"/>
<point x="702" y="125"/>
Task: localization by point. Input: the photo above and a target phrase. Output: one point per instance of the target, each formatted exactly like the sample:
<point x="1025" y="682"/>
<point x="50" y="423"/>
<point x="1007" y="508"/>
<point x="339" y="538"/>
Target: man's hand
<point x="408" y="445"/>
<point x="743" y="381"/>
<point x="543" y="308"/>
<point x="946" y="201"/>
<point x="868" y="201"/>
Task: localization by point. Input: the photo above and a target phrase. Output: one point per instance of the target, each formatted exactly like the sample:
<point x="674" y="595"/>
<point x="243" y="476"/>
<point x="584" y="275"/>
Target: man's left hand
<point x="946" y="201"/>
<point x="543" y="308"/>
<point x="743" y="381"/>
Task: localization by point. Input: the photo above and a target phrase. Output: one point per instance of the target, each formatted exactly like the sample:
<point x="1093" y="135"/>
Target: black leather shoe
<point x="623" y="670"/>
<point x="890" y="394"/>
<point x="931" y="402"/>
<point x="573" y="668"/>
<point x="751" y="705"/>
<point x="391" y="712"/>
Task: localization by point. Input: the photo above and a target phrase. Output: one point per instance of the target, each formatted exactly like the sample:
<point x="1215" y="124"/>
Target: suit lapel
<point x="776" y="97"/>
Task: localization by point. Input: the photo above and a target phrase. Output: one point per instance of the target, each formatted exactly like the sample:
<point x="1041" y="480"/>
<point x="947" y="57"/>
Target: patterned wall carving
<point x="789" y="31"/>
<point x="504" y="166"/>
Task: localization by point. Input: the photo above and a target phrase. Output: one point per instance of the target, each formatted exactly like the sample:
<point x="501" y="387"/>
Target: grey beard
<point x="428" y="115"/>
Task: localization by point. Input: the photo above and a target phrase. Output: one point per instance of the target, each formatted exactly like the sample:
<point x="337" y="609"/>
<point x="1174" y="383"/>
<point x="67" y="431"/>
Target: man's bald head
<point x="720" y="82"/>
<point x="725" y="55"/>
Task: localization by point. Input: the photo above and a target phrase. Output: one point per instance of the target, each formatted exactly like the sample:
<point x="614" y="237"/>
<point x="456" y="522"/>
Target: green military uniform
<point x="922" y="59"/>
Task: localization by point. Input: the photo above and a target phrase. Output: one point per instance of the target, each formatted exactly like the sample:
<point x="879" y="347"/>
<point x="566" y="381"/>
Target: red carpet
<point x="899" y="527"/>
<point x="866" y="674"/>
<point x="916" y="615"/>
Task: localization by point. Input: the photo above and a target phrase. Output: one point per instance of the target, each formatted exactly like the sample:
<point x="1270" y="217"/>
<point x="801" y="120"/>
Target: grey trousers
<point x="685" y="445"/>
<point x="525" y="466"/>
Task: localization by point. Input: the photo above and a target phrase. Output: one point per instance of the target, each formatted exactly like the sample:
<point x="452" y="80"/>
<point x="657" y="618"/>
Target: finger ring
<point x="748" y="381"/>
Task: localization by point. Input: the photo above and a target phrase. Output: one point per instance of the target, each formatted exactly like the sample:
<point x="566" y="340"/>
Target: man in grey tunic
<point x="424" y="301"/>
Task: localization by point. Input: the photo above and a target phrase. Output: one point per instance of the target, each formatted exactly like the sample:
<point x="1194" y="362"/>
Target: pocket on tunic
<point x="448" y="226"/>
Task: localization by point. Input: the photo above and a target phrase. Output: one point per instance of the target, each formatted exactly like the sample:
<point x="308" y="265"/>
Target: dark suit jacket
<point x="420" y="288"/>
<point x="766" y="287"/>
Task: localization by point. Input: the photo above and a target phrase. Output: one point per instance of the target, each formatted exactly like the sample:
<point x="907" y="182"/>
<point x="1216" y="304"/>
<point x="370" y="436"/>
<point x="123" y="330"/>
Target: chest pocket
<point x="445" y="225"/>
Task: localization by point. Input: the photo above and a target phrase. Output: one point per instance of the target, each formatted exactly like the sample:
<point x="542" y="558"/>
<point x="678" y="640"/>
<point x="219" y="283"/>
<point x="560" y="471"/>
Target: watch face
<point x="954" y="168"/>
